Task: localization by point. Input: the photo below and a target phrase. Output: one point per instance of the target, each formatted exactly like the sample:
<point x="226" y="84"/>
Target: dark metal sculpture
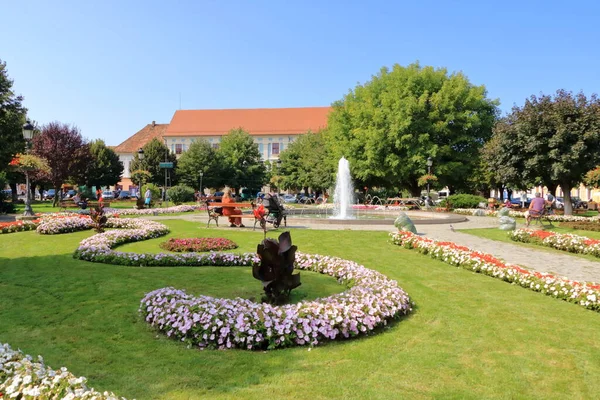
<point x="276" y="268"/>
<point x="98" y="218"/>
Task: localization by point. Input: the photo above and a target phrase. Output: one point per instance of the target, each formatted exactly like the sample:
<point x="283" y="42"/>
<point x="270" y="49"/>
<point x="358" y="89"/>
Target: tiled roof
<point x="257" y="121"/>
<point x="142" y="137"/>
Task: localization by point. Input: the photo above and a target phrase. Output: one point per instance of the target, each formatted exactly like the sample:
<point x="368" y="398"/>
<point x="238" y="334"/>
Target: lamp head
<point x="28" y="130"/>
<point x="429" y="162"/>
<point x="141" y="153"/>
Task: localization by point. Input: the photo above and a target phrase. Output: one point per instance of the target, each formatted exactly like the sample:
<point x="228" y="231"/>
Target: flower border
<point x="521" y="214"/>
<point x="560" y="241"/>
<point x="586" y="294"/>
<point x="21" y="375"/>
<point x="199" y="244"/>
<point x="371" y="301"/>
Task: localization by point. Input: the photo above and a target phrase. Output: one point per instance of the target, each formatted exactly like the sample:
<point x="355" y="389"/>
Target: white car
<point x="108" y="195"/>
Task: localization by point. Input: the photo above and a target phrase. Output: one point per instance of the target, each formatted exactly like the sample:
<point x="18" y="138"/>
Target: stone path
<point x="541" y="260"/>
<point x="566" y="265"/>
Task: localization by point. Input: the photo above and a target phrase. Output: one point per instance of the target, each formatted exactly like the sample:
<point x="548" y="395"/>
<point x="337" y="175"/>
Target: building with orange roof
<point x="273" y="129"/>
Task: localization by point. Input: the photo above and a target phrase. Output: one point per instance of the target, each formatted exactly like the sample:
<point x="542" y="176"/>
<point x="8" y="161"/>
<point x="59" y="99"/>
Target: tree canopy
<point x="154" y="153"/>
<point x="12" y="118"/>
<point x="241" y="160"/>
<point x="200" y="157"/>
<point x="105" y="169"/>
<point x="550" y="140"/>
<point x="388" y="127"/>
<point x="307" y="163"/>
<point x="67" y="154"/>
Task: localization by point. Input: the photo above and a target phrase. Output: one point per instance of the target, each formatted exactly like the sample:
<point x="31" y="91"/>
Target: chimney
<point x="153" y="124"/>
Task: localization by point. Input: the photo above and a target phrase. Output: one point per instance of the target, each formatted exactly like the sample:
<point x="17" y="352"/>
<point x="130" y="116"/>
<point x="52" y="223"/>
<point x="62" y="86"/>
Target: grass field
<point x="469" y="337"/>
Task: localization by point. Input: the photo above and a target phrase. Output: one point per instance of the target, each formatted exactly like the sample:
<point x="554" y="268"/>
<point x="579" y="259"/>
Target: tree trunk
<point x="56" y="196"/>
<point x="566" y="188"/>
<point x="15" y="195"/>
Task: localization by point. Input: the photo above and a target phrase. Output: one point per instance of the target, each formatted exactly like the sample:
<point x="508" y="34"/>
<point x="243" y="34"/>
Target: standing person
<point x="227" y="199"/>
<point x="147" y="197"/>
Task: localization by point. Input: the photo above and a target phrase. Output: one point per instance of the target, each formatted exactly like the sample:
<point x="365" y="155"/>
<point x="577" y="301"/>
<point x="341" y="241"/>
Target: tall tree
<point x="67" y="154"/>
<point x="105" y="168"/>
<point x="155" y="152"/>
<point x="388" y="127"/>
<point x="307" y="163"/>
<point x="554" y="140"/>
<point x="242" y="164"/>
<point x="200" y="158"/>
<point x="12" y="118"/>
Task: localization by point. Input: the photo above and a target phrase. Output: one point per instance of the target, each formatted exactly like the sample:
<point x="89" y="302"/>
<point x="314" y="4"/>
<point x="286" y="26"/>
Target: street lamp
<point x="141" y="157"/>
<point x="429" y="164"/>
<point x="201" y="191"/>
<point x="28" y="135"/>
<point x="279" y="163"/>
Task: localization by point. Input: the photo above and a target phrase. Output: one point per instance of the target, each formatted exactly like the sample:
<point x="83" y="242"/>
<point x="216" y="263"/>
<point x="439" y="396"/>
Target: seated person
<point x="226" y="199"/>
<point x="507" y="203"/>
<point x="535" y="208"/>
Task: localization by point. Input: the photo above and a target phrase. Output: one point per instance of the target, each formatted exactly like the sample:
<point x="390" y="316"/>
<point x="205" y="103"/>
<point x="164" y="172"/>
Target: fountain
<point x="343" y="197"/>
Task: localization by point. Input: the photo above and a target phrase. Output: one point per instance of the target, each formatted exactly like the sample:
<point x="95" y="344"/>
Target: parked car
<point x="289" y="198"/>
<point x="124" y="195"/>
<point x="516" y="202"/>
<point x="108" y="195"/>
<point x="70" y="194"/>
<point x="216" y="194"/>
<point x="49" y="195"/>
<point x="306" y="199"/>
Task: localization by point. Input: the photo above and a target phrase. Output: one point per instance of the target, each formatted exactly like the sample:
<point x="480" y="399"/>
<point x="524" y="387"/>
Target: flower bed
<point x="56" y="225"/>
<point x="18" y="226"/>
<point x="583" y="293"/>
<point x="521" y="214"/>
<point x="198" y="244"/>
<point x="566" y="242"/>
<point x="208" y="322"/>
<point x="23" y="377"/>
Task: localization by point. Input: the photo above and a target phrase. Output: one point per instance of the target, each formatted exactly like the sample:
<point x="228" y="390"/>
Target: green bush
<point x="582" y="225"/>
<point x="180" y="194"/>
<point x="465" y="200"/>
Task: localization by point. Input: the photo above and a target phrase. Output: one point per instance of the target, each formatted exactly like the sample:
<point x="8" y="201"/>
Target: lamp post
<point x="28" y="135"/>
<point x="141" y="157"/>
<point x="201" y="191"/>
<point x="429" y="164"/>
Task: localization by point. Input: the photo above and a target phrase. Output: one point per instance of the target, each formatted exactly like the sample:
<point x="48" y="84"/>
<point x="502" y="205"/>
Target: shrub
<point x="465" y="200"/>
<point x="180" y="194"/>
<point x="584" y="226"/>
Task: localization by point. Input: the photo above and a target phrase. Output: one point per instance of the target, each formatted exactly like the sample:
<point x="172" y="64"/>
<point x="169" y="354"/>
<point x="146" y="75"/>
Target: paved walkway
<point x="566" y="265"/>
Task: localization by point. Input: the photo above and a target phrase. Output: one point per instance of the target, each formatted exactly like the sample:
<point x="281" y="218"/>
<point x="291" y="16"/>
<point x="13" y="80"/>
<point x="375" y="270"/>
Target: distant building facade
<point x="273" y="130"/>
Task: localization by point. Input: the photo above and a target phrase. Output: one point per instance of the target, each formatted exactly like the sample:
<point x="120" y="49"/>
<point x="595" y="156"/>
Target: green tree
<point x="105" y="168"/>
<point x="154" y="153"/>
<point x="553" y="140"/>
<point x="307" y="163"/>
<point x="388" y="127"/>
<point x="200" y="157"/>
<point x="242" y="164"/>
<point x="12" y="118"/>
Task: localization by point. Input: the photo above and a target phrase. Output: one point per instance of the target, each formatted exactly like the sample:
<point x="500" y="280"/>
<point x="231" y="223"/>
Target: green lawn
<point x="470" y="336"/>
<point x="502" y="236"/>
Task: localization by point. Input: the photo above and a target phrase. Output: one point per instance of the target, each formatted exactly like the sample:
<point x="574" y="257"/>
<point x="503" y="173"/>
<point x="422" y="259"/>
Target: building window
<point x="270" y="139"/>
<point x="260" y="149"/>
<point x="215" y="145"/>
<point x="259" y="139"/>
<point x="275" y="148"/>
<point x="178" y="148"/>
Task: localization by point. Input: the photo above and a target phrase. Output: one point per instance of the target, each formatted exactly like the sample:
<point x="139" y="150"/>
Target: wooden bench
<point x="213" y="215"/>
<point x="540" y="217"/>
<point x="63" y="205"/>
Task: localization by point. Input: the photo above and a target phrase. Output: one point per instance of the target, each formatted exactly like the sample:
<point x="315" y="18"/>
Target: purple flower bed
<point x="206" y="322"/>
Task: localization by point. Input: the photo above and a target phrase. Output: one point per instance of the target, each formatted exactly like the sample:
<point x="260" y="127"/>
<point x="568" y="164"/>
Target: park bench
<point x="214" y="211"/>
<point x="541" y="217"/>
<point x="64" y="204"/>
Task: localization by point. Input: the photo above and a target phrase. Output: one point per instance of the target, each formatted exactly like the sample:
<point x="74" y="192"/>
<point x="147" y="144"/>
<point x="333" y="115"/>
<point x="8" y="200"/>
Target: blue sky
<point x="111" y="67"/>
